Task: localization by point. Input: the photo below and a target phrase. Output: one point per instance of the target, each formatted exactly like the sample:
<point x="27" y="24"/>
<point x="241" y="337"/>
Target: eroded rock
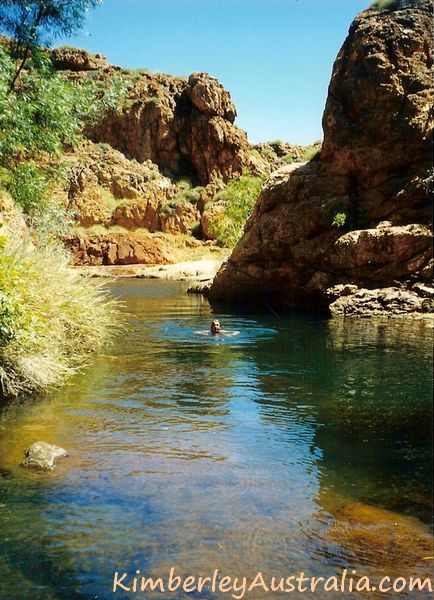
<point x="186" y="127"/>
<point x="361" y="214"/>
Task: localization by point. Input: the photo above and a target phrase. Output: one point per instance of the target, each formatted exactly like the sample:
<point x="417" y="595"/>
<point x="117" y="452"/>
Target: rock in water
<point x="41" y="455"/>
<point x="360" y="215"/>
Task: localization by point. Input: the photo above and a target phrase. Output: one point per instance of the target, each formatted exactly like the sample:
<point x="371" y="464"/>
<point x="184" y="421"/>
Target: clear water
<point x="300" y="444"/>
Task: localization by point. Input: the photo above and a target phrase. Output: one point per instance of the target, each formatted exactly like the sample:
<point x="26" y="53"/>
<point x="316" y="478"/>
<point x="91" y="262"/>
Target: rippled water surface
<point x="300" y="444"/>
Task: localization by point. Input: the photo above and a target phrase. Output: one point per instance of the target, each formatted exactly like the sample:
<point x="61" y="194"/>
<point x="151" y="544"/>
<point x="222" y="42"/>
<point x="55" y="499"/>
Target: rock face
<point x="42" y="456"/>
<point x="361" y="214"/>
<point x="76" y="59"/>
<point x="105" y="188"/>
<point x="142" y="162"/>
<point x="186" y="127"/>
<point x="118" y="249"/>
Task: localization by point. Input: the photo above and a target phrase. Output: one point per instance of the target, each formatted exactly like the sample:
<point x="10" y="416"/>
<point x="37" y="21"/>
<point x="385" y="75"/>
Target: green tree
<point x="31" y="23"/>
<point x="238" y="199"/>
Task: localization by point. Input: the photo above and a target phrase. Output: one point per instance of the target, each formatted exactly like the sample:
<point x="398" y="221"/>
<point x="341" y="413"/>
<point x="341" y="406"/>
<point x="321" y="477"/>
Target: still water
<point x="299" y="445"/>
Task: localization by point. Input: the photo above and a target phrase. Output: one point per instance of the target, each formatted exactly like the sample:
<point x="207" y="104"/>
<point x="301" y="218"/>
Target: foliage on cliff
<point x="237" y="200"/>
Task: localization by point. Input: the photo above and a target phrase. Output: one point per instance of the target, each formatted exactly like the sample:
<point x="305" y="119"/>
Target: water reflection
<point x="291" y="447"/>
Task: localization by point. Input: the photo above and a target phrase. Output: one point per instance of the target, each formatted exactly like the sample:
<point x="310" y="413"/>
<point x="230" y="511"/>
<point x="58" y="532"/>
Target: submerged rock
<point x="371" y="535"/>
<point x="41" y="455"/>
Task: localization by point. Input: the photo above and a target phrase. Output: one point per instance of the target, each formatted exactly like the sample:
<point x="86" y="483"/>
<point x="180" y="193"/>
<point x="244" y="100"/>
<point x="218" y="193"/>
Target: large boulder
<point x="361" y="213"/>
<point x="76" y="59"/>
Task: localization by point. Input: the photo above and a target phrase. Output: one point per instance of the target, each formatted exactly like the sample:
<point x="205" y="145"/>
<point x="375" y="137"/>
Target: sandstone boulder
<point x="182" y="218"/>
<point x="76" y="59"/>
<point x="374" y="302"/>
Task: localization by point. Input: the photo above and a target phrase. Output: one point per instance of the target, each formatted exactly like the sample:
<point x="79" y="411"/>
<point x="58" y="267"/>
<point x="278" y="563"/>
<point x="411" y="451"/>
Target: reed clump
<point x="52" y="318"/>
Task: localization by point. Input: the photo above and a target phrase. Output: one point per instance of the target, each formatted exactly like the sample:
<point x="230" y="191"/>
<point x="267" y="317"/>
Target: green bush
<point x="311" y="153"/>
<point x="51" y="317"/>
<point x="28" y="186"/>
<point x="192" y="195"/>
<point x="339" y="219"/>
<point x="43" y="116"/>
<point x="239" y="198"/>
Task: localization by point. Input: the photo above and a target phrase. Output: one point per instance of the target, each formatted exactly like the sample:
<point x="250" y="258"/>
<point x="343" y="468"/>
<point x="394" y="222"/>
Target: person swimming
<point x="216" y="329"/>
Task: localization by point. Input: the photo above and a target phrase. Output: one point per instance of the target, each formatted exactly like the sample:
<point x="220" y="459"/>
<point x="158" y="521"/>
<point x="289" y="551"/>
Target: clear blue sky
<point x="274" y="56"/>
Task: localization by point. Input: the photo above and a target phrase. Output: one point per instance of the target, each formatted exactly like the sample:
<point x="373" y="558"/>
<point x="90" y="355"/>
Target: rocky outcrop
<point x="76" y="59"/>
<point x="361" y="214"/>
<point x="105" y="188"/>
<point x="186" y="127"/>
<point x="349" y="300"/>
<point x="118" y="249"/>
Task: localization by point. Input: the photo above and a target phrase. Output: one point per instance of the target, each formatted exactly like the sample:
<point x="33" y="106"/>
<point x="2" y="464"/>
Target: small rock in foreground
<point x="41" y="455"/>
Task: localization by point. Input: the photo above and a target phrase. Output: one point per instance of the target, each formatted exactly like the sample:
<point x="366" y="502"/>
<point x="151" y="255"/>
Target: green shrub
<point x="51" y="317"/>
<point x="239" y="198"/>
<point x="44" y="115"/>
<point x="339" y="219"/>
<point x="191" y="195"/>
<point x="154" y="100"/>
<point x="28" y="186"/>
<point x="311" y="153"/>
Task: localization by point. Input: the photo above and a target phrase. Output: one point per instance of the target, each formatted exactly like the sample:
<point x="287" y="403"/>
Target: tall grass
<point x="51" y="317"/>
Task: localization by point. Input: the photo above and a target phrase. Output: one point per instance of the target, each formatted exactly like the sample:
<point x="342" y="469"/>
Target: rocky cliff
<point x="352" y="230"/>
<point x="183" y="125"/>
<point x="153" y="160"/>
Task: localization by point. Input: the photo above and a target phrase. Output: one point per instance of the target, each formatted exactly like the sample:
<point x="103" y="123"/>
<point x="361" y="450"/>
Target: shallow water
<point x="298" y="445"/>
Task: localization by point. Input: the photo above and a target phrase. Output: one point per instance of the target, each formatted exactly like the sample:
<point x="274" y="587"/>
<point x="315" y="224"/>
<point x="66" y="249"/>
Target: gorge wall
<point x="183" y="125"/>
<point x="352" y="229"/>
<point x="151" y="162"/>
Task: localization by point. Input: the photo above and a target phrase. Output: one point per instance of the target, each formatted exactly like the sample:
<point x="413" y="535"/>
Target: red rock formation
<point x="118" y="249"/>
<point x="76" y="59"/>
<point x="323" y="224"/>
<point x="186" y="127"/>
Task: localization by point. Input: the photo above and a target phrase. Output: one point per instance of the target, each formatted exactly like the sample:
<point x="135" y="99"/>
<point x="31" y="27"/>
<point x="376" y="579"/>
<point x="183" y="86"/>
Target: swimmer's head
<point x="215" y="326"/>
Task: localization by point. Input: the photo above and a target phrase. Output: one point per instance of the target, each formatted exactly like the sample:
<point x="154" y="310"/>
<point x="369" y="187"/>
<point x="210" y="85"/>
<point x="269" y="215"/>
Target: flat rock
<point x="363" y="302"/>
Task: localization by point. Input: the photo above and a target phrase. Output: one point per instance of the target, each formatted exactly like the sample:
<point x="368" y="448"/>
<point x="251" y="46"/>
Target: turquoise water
<point x="299" y="445"/>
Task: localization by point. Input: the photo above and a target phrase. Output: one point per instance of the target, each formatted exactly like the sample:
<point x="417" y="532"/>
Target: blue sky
<point x="274" y="56"/>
